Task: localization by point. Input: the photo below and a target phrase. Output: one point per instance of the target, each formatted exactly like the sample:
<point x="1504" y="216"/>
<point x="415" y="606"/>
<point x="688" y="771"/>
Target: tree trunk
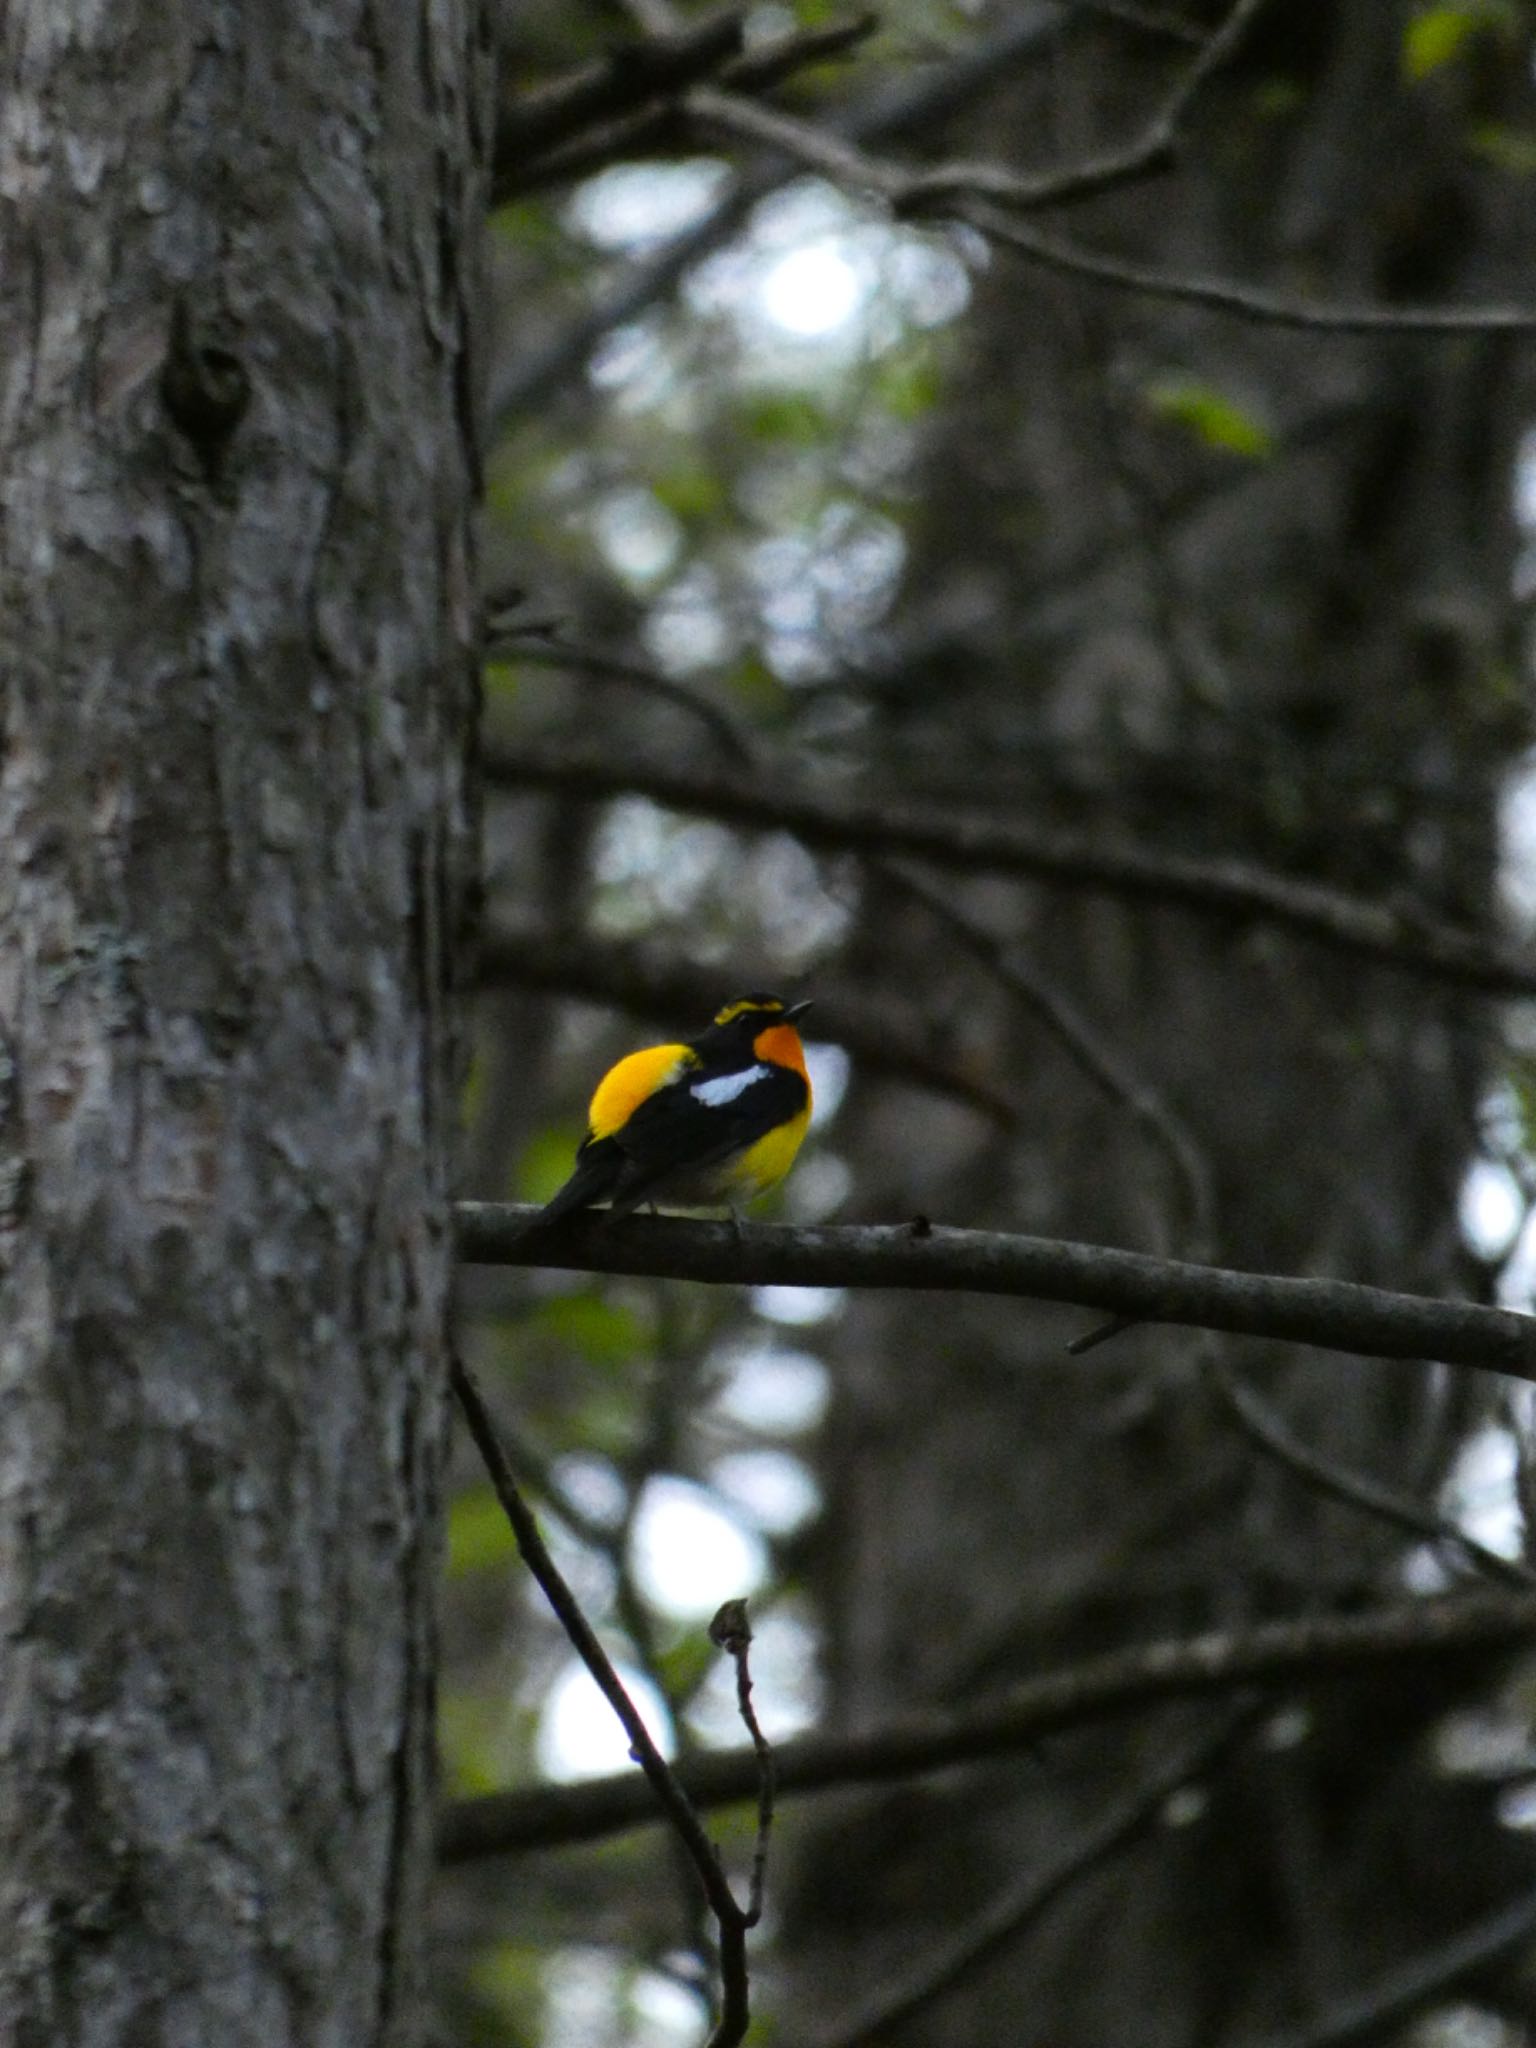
<point x="237" y="434"/>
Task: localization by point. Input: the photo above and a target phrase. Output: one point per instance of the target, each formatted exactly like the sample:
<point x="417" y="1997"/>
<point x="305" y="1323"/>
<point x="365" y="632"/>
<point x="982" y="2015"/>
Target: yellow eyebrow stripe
<point x="738" y="1009"/>
<point x="625" y="1086"/>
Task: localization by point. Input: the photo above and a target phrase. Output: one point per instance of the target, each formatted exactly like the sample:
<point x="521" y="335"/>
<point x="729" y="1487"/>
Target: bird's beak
<point x="797" y="1010"/>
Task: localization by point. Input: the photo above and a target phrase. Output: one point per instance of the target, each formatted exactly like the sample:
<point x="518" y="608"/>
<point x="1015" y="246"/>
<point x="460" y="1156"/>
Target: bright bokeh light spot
<point x="688" y="1554"/>
<point x="774" y="1489"/>
<point x="594" y="1996"/>
<point x="812" y="291"/>
<point x="686" y="628"/>
<point x="1491" y="1209"/>
<point x="1517" y="836"/>
<point x="1482" y="1742"/>
<point x="829" y="1068"/>
<point x="592" y="1485"/>
<point x="628" y="357"/>
<point x="820" y="1186"/>
<point x="1516" y="1805"/>
<point x="1461" y="2025"/>
<point x="581" y="1989"/>
<point x="1482" y="1495"/>
<point x="928" y="280"/>
<point x="638" y="536"/>
<point x="797" y="915"/>
<point x="667" y="2014"/>
<point x="633" y="205"/>
<point x="798" y="1308"/>
<point x="580" y="1735"/>
<point x="775" y="1390"/>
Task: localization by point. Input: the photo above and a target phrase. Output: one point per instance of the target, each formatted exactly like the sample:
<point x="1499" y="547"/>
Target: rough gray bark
<point x="237" y="579"/>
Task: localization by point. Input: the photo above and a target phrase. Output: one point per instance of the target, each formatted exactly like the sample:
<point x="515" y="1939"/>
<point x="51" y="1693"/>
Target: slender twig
<point x="674" y="1801"/>
<point x="1261" y="303"/>
<point x="932" y="189"/>
<point x="909" y="109"/>
<point x="531" y="1474"/>
<point x="976" y="841"/>
<point x="818" y="149"/>
<point x="1517" y="1420"/>
<point x="1427" y="1976"/>
<point x="1153" y="150"/>
<point x="761" y="69"/>
<point x="1264" y="1427"/>
<point x="1295" y="1653"/>
<point x="1147" y="21"/>
<point x="1098" y="1060"/>
<point x="643" y="69"/>
<point x="537" y="649"/>
<point x="1332" y="1315"/>
<point x="661" y="125"/>
<point x="732" y="1631"/>
<point x="1025" y="1902"/>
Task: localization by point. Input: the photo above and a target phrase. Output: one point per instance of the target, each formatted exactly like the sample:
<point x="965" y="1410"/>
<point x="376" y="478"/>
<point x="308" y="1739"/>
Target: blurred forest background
<point x="801" y="489"/>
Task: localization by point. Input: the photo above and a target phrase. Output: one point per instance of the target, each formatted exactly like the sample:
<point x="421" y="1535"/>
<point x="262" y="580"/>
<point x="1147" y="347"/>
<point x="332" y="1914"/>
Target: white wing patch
<point x="726" y="1087"/>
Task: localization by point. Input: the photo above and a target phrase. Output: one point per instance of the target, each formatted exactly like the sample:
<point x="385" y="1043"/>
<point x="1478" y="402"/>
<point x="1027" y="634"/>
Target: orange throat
<point x="780" y="1046"/>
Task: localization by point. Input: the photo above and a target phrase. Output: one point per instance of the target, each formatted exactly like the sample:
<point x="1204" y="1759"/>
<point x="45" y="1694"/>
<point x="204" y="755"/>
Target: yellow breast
<point x="764" y="1165"/>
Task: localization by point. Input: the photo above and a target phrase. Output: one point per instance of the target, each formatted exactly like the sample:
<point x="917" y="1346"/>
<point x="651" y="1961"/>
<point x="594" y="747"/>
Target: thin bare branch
<point x="1149" y="21"/>
<point x="1098" y="1060"/>
<point x="635" y="72"/>
<point x="661" y="125"/>
<point x="1268" y="1430"/>
<point x="1427" y="1976"/>
<point x="1292" y="1653"/>
<point x="1022" y="1904"/>
<point x="663" y="1782"/>
<point x="1152" y="151"/>
<point x="761" y="69"/>
<point x="844" y="821"/>
<point x="1261" y="303"/>
<point x="1331" y="1315"/>
<point x="843" y="161"/>
<point x="732" y="1631"/>
<point x="536" y="648"/>
<point x="907" y="110"/>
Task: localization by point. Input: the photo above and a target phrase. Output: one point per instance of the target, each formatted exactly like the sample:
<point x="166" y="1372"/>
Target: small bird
<point x="719" y="1119"/>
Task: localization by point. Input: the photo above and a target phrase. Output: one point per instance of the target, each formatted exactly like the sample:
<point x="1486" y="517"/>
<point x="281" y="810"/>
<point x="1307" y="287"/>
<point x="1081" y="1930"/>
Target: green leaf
<point x="785" y="416"/>
<point x="1507" y="149"/>
<point x="683" y="1665"/>
<point x="1211" y="417"/>
<point x="501" y="680"/>
<point x="909" y="387"/>
<point x="600" y="1331"/>
<point x="546" y="1163"/>
<point x="1436" y="36"/>
<point x="475" y="1741"/>
<point x="692" y="496"/>
<point x="509" y="1979"/>
<point x="479" y="1534"/>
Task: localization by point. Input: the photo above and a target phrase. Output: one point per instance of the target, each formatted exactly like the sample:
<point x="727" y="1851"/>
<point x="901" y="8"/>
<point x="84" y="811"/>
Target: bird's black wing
<point x="698" y="1122"/>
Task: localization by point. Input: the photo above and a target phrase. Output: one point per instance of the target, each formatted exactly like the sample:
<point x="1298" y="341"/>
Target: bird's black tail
<point x="598" y="1169"/>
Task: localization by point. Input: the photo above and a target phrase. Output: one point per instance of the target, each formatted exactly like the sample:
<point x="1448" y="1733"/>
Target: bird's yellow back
<point x="625" y="1086"/>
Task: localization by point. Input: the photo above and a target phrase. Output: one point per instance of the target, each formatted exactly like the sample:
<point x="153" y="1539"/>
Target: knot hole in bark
<point x="204" y="386"/>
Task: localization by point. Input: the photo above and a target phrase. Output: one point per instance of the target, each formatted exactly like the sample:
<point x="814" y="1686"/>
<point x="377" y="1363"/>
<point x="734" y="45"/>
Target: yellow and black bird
<point x="716" y="1120"/>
